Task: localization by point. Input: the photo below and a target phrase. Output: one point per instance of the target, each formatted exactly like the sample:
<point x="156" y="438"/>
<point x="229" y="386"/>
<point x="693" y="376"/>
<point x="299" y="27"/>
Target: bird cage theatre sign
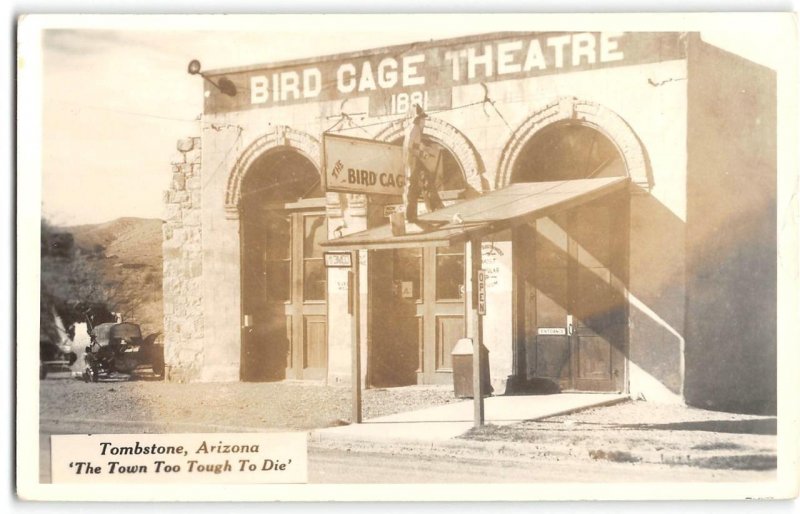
<point x="596" y="170"/>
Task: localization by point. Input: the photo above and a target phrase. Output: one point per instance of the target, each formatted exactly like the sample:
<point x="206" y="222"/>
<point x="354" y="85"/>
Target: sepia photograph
<point x="417" y="256"/>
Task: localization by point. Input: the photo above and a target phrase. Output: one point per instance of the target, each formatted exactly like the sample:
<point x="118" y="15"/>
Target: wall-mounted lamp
<point x="224" y="85"/>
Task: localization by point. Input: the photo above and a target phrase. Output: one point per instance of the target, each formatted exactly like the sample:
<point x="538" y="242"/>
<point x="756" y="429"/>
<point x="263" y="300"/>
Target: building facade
<point x="665" y="290"/>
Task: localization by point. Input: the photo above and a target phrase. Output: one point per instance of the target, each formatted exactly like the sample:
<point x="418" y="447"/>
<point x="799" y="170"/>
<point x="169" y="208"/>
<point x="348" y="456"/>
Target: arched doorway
<point x="283" y="276"/>
<point x="421" y="293"/>
<point x="572" y="276"/>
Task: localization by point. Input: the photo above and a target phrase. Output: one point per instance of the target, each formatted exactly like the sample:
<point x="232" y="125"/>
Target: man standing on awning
<point x="418" y="178"/>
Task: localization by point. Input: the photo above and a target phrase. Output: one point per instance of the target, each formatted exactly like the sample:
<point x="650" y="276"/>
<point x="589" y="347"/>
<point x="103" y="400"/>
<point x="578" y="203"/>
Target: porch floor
<point x="448" y="421"/>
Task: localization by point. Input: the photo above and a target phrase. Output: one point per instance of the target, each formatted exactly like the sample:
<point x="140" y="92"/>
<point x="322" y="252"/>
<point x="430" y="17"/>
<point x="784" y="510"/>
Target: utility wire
<point x="132" y="113"/>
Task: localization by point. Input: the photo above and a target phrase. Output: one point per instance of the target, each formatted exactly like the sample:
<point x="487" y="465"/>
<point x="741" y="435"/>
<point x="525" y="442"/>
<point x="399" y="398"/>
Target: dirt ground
<point x="649" y="433"/>
<point x="272" y="405"/>
<point x="629" y="441"/>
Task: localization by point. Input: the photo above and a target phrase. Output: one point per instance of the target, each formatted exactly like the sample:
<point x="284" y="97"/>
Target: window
<point x="314" y="274"/>
<point x="450" y="273"/>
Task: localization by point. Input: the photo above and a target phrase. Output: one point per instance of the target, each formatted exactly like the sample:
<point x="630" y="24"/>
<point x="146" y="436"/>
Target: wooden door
<point x="444" y="311"/>
<point x="295" y="289"/>
<point x="575" y="313"/>
<point x="418" y="302"/>
<point x="308" y="308"/>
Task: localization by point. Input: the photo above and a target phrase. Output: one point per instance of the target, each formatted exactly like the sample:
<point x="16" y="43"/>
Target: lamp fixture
<point x="223" y="84"/>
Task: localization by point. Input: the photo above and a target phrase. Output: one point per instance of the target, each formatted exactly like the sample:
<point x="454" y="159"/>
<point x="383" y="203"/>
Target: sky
<point x="115" y="101"/>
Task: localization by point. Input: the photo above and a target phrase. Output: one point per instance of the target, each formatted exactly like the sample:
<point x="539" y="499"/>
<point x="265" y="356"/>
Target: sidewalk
<point x="446" y="422"/>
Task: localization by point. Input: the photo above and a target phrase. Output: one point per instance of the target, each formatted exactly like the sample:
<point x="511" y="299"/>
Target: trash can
<point x="462" y="369"/>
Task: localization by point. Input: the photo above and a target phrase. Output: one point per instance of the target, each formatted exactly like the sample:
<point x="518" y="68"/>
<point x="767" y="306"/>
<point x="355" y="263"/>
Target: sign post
<point x="355" y="330"/>
<point x="475" y="328"/>
<point x="350" y="260"/>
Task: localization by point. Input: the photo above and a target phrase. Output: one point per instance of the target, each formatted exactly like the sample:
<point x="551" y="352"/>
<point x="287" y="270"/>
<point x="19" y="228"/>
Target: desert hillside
<point x="117" y="263"/>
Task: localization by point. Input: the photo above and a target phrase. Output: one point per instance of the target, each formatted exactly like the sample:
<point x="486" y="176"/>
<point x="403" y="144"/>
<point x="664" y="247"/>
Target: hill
<point x="118" y="263"/>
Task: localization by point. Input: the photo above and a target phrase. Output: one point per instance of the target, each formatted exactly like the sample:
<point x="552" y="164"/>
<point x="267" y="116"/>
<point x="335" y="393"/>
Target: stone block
<point x="178" y="181"/>
<point x="185" y="144"/>
<point x="195" y="269"/>
<point x="171" y="252"/>
<point x="172" y="212"/>
<point x="192" y="218"/>
<point x="178" y="236"/>
<point x="181" y="196"/>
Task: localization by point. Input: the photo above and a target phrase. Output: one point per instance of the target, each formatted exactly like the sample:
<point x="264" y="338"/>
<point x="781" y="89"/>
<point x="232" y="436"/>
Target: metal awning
<point x="489" y="213"/>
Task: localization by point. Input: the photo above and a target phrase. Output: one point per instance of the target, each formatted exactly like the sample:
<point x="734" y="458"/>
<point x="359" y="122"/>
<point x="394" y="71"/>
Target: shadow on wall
<point x="743" y="375"/>
<point x="731" y="326"/>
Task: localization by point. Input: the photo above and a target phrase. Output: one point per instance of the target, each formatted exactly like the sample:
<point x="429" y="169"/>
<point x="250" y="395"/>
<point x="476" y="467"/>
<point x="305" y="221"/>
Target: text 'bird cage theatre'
<point x="618" y="190"/>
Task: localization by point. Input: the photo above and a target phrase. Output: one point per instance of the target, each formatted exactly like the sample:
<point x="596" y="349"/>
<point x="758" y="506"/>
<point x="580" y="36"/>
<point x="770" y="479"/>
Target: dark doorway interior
<point x="283" y="276"/>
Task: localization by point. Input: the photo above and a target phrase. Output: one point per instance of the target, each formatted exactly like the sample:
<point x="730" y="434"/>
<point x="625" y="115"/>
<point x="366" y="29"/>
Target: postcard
<point x="395" y="257"/>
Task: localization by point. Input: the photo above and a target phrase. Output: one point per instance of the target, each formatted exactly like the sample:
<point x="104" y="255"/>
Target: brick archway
<point x="589" y="113"/>
<point x="282" y="138"/>
<point x="452" y="139"/>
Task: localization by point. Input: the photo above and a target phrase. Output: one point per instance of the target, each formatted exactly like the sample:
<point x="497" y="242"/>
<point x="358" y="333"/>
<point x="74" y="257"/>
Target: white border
<point x="28" y="212"/>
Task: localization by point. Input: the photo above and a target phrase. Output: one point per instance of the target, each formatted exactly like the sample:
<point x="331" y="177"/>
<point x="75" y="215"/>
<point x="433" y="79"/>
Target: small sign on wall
<point x="338" y="259"/>
<point x="554" y="331"/>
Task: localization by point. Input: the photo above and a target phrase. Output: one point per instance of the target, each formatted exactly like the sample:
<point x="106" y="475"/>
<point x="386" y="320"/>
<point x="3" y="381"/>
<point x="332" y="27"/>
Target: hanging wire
<point x="225" y="157"/>
<point x="487" y="99"/>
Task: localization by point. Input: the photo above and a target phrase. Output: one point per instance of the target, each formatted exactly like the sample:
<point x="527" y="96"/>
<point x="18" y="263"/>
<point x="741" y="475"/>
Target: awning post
<point x="475" y="329"/>
<point x="355" y="298"/>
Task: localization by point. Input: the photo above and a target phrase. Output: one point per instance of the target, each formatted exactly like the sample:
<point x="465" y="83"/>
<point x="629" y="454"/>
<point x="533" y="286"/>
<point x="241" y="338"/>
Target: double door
<point x="417" y="314"/>
<point x="285" y="303"/>
<point x="575" y="309"/>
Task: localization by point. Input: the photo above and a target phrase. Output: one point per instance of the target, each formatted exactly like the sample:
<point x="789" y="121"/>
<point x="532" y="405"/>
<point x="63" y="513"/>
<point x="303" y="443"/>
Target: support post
<point x="355" y="305"/>
<point x="475" y="330"/>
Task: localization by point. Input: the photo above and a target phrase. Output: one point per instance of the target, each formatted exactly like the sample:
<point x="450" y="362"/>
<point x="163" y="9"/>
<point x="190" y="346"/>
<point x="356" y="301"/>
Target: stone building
<point x="663" y="287"/>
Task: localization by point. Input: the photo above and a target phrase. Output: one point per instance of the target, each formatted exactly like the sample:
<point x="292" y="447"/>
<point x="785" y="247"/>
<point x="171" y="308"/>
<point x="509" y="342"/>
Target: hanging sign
<point x="354" y="165"/>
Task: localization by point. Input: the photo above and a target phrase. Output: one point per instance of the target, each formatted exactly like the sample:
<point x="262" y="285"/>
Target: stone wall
<point x="183" y="266"/>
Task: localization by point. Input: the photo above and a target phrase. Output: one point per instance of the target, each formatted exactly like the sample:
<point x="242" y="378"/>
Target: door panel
<point x="575" y="274"/>
<point x="552" y="357"/>
<point x="315" y="348"/>
<point x="449" y="329"/>
<point x="594" y="358"/>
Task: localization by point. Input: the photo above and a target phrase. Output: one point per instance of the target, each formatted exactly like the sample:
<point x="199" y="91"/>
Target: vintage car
<point x="120" y="348"/>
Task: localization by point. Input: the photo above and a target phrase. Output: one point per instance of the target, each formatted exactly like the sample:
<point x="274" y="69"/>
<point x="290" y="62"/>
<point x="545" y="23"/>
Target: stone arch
<point x="589" y="113"/>
<point x="282" y="138"/>
<point x="454" y="140"/>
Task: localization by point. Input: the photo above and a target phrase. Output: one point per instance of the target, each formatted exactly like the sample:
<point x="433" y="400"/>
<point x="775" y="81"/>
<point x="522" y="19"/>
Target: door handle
<point x="570" y="327"/>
